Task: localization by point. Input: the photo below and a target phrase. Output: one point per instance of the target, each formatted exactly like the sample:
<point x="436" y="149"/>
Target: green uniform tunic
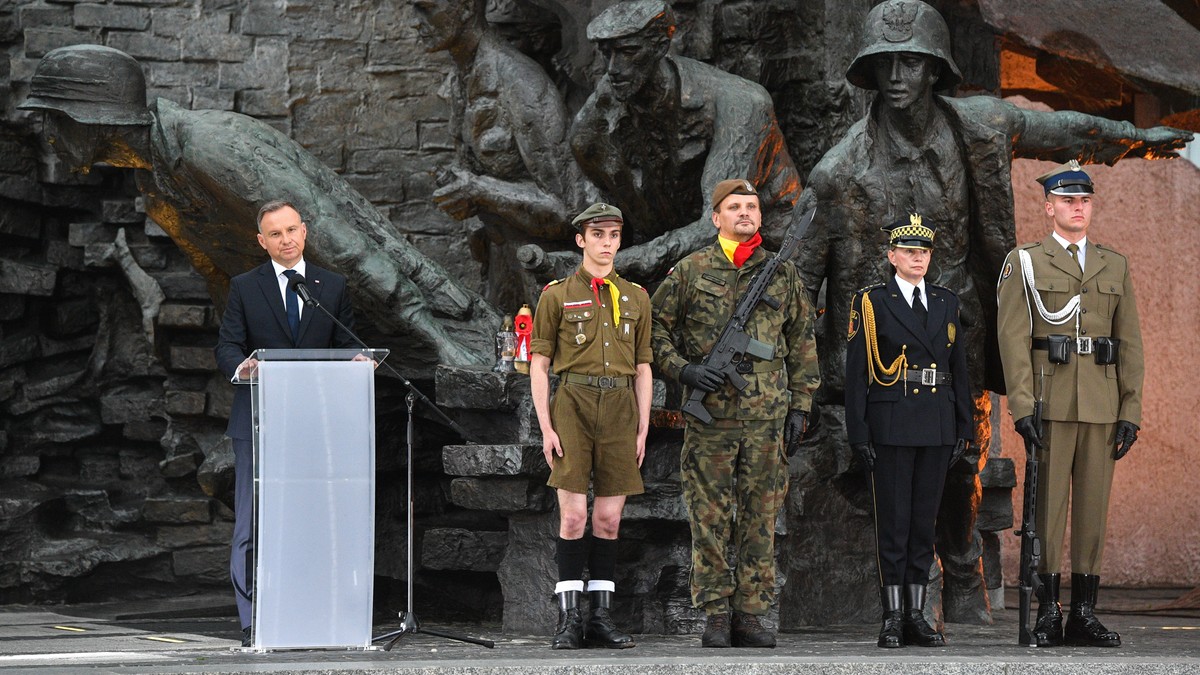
<point x="594" y="410"/>
<point x="1082" y="400"/>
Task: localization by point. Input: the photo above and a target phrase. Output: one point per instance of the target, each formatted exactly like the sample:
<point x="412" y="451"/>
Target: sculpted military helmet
<point x="91" y="84"/>
<point x="904" y="26"/>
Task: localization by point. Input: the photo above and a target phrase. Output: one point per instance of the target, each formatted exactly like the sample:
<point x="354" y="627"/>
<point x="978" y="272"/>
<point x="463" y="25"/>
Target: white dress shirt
<point x="283" y="281"/>
<point x="906" y="289"/>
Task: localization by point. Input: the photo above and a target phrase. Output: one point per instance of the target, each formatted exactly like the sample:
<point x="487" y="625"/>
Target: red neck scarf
<point x="746" y="249"/>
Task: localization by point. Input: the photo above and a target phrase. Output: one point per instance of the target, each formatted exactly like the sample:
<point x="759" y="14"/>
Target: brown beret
<point x="731" y="186"/>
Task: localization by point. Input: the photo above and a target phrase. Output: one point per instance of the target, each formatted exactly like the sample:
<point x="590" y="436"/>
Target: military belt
<point x="598" y="381"/>
<point x="1079" y="345"/>
<point x="748" y="366"/>
<point x="929" y="376"/>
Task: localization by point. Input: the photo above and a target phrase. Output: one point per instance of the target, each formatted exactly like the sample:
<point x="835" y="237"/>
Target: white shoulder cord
<point x="1068" y="312"/>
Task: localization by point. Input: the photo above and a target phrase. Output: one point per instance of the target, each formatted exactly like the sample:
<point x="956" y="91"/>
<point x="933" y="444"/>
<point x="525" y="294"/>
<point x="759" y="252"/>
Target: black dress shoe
<point x="891" y="633"/>
<point x="1083" y="628"/>
<point x="246" y="636"/>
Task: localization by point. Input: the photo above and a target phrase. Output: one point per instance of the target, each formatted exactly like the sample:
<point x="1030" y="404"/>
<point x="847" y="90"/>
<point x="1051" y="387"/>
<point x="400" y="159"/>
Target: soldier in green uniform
<point x="733" y="471"/>
<point x="594" y="327"/>
<point x="1069" y="336"/>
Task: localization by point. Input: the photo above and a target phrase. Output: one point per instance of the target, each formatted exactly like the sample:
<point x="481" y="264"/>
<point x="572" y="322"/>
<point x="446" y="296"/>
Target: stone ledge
<point x="494" y="460"/>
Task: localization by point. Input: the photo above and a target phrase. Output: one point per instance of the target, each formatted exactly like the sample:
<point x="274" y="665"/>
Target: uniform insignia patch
<point x="951" y="331"/>
<point x="852" y="329"/>
<point x="1007" y="271"/>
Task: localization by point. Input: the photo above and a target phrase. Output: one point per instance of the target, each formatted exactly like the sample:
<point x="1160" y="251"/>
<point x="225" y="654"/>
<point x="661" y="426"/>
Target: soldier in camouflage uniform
<point x="733" y="471"/>
<point x="595" y="328"/>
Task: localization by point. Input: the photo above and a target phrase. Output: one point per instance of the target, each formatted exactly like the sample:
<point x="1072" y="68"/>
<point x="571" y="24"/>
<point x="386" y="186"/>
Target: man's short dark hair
<point x="271" y="207"/>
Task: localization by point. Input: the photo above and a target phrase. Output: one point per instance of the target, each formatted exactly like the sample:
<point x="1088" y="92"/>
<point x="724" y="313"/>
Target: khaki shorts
<point x="598" y="432"/>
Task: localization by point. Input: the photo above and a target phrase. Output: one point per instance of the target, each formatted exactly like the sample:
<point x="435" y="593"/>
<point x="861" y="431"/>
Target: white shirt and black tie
<point x="915" y="296"/>
<point x="291" y="301"/>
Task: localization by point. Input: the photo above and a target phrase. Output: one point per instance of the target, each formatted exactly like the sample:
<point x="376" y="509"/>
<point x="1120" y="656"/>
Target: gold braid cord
<point x="874" y="364"/>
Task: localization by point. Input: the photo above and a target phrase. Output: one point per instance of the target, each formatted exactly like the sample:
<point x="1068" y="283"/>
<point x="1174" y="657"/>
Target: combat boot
<point x="716" y="631"/>
<point x="1083" y="628"/>
<point x="1048" y="631"/>
<point x="569" y="634"/>
<point x="891" y="634"/>
<point x="601" y="631"/>
<point x="917" y="630"/>
<point x="748" y="631"/>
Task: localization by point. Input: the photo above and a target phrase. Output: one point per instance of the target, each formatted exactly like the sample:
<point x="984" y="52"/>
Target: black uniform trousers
<point x="907" y="484"/>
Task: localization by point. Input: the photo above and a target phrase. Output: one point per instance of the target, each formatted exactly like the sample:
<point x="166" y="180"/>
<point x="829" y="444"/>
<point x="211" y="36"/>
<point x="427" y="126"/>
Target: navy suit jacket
<point x="255" y="318"/>
<point x="912" y="415"/>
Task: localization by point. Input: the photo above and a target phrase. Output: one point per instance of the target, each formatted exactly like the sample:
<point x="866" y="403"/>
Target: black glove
<point x="1030" y="432"/>
<point x="865" y="453"/>
<point x="960" y="449"/>
<point x="1126" y="437"/>
<point x="702" y="377"/>
<point x="793" y="430"/>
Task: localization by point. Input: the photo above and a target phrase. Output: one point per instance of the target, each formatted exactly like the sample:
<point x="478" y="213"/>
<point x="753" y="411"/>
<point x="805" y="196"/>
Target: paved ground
<point x="194" y="635"/>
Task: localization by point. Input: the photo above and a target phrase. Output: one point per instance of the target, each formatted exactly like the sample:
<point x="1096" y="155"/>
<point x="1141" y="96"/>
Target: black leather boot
<point x="747" y="631"/>
<point x="917" y="630"/>
<point x="601" y="631"/>
<point x="1083" y="628"/>
<point x="716" y="631"/>
<point x="1048" y="631"/>
<point x="891" y="634"/>
<point x="569" y="634"/>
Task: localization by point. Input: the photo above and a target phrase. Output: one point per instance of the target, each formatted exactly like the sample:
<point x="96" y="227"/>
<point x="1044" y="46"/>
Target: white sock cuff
<point x="564" y="586"/>
<point x="595" y="585"/>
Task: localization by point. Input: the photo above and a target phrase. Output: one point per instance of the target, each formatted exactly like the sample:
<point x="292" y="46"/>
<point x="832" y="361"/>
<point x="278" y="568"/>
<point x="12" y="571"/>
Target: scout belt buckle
<point x="928" y="377"/>
<point x="1083" y="345"/>
<point x="605" y="382"/>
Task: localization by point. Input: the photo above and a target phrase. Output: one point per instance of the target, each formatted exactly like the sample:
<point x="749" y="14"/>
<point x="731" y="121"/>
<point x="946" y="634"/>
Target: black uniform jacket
<point x="907" y="413"/>
<point x="255" y="318"/>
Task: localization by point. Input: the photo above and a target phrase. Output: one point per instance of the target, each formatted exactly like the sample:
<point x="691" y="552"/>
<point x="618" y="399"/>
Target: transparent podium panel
<point x="314" y="500"/>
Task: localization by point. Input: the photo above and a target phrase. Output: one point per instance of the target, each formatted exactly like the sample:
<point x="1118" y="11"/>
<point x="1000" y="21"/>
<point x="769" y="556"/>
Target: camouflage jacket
<point x="692" y="306"/>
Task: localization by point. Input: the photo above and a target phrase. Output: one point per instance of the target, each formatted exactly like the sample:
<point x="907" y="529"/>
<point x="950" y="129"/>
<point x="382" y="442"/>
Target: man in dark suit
<point x="263" y="312"/>
<point x="908" y="418"/>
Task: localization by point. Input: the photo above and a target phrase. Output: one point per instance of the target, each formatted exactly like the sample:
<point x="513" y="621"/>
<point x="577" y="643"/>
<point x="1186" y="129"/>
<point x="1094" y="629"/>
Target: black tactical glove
<point x="1126" y="437"/>
<point x="865" y="453"/>
<point x="793" y="430"/>
<point x="702" y="377"/>
<point x="960" y="449"/>
<point x="1030" y="432"/>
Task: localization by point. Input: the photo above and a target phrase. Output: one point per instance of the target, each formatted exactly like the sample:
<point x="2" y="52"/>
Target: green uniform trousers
<point x="1077" y="466"/>
<point x="734" y="477"/>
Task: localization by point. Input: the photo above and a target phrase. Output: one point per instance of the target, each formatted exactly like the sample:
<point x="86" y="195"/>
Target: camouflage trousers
<point x="734" y="477"/>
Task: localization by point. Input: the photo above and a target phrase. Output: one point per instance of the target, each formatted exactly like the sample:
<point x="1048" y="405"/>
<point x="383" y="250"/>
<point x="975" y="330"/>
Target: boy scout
<point x="733" y="471"/>
<point x="1069" y="336"/>
<point x="595" y="328"/>
<point x="908" y="418"/>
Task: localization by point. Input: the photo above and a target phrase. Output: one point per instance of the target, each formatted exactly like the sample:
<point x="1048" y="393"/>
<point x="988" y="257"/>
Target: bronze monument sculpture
<point x="203" y="174"/>
<point x="660" y="131"/>
<point x="948" y="159"/>
<point x="513" y="167"/>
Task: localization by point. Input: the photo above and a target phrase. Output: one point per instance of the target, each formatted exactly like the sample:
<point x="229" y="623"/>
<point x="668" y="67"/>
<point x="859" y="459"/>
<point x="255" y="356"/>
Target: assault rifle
<point x="731" y="349"/>
<point x="1030" y="583"/>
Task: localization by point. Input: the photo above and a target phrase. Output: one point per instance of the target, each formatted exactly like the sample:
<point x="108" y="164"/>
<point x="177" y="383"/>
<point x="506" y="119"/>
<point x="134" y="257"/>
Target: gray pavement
<point x="197" y="635"/>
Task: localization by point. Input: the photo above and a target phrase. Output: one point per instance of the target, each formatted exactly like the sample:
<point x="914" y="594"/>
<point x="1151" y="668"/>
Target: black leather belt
<point x="599" y="381"/>
<point x="1080" y="345"/>
<point x="929" y="376"/>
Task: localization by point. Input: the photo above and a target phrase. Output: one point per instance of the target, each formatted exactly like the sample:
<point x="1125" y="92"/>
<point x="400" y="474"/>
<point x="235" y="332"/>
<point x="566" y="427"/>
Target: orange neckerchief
<point x="613" y="292"/>
<point x="739" y="252"/>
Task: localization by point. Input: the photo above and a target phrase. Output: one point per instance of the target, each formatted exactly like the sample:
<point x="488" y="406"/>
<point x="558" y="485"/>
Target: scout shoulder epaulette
<point x="556" y="281"/>
<point x="637" y="285"/>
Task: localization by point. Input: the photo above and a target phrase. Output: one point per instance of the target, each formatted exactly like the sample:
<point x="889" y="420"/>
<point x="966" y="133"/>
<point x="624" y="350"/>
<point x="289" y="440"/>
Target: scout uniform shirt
<point x="575" y="328"/>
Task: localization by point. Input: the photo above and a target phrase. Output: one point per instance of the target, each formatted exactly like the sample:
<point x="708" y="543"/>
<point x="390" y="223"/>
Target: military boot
<point x="716" y="631"/>
<point x="891" y="634"/>
<point x="1083" y="628"/>
<point x="917" y="630"/>
<point x="747" y="631"/>
<point x="569" y="634"/>
<point x="601" y="631"/>
<point x="1048" y="630"/>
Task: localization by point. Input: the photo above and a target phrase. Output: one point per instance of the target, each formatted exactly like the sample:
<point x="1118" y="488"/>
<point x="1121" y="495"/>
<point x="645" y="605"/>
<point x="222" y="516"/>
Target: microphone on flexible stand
<point x="297" y="283"/>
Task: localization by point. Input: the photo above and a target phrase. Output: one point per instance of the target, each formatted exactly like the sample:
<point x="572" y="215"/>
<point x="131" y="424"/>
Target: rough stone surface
<point x="494" y="460"/>
<point x="460" y="549"/>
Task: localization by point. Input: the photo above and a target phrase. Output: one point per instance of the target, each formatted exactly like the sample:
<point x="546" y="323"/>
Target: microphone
<point x="297" y="285"/>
